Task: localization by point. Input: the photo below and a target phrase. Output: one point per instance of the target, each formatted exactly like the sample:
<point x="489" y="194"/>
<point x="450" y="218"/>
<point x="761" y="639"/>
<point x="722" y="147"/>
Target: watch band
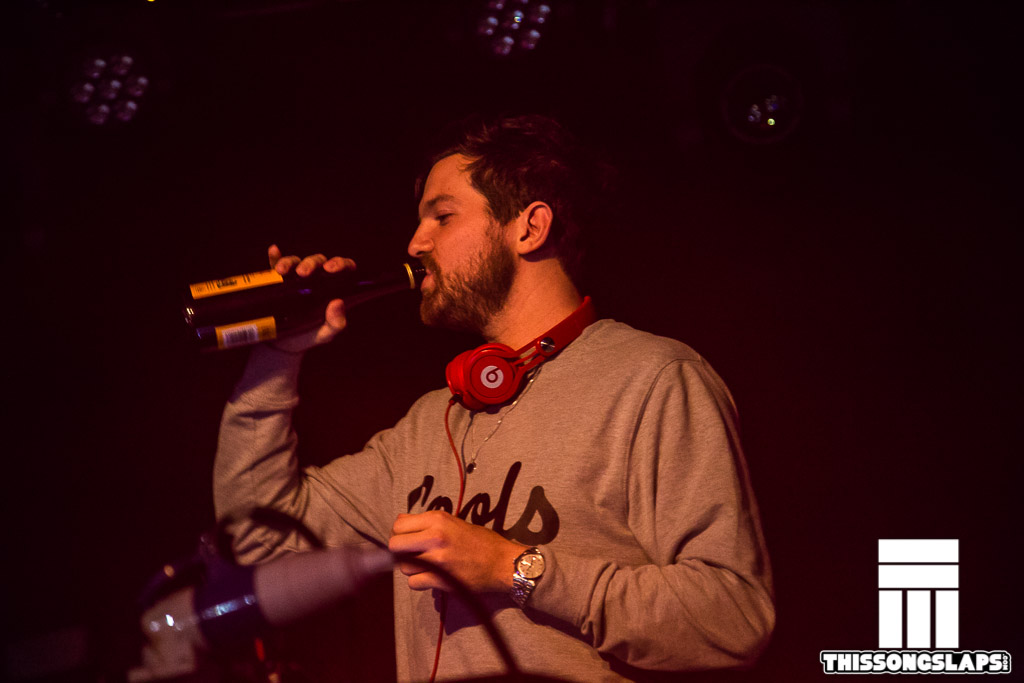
<point x="521" y="589"/>
<point x="527" y="570"/>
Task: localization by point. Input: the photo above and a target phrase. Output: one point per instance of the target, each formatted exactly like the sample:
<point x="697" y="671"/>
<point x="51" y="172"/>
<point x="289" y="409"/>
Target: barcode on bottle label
<point x="237" y="283"/>
<point x="244" y="333"/>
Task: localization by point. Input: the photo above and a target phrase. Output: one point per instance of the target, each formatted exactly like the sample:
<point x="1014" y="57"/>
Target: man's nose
<point x="420" y="244"/>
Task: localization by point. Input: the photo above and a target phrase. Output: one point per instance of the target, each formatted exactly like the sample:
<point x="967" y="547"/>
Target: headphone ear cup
<point x="455" y="374"/>
<point x="492" y="378"/>
<point x="484" y="377"/>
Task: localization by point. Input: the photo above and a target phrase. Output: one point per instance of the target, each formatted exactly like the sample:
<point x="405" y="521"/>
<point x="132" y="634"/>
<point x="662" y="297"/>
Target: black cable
<point x="472" y="601"/>
<point x="281" y="521"/>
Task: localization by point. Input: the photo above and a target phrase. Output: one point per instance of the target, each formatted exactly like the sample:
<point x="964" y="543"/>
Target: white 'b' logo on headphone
<point x="492" y="377"/>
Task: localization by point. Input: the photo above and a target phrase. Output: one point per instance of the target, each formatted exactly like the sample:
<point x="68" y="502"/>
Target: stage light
<point x="108" y="89"/>
<point x="82" y="92"/>
<point x="97" y="114"/>
<point x="762" y="104"/>
<point x="94" y="67"/>
<point x="510" y="26"/>
<point x="126" y="110"/>
<point x="120" y="65"/>
<point x="136" y="86"/>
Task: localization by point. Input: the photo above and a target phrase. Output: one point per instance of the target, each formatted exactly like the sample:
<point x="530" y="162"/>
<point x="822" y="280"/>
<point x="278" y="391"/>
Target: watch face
<point x="530" y="565"/>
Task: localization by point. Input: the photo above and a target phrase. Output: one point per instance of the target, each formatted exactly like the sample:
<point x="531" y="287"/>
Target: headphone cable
<point x="458" y="508"/>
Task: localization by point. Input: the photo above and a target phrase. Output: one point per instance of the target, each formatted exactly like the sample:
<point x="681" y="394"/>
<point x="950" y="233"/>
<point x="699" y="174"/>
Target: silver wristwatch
<point x="528" y="570"/>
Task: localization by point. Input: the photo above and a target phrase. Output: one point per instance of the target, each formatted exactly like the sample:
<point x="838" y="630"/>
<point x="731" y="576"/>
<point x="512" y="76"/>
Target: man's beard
<point x="467" y="302"/>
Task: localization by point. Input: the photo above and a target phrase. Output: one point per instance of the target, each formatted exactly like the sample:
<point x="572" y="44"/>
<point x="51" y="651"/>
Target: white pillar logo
<point x="916" y="579"/>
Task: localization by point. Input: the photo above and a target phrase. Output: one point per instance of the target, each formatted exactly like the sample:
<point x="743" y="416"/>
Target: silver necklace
<point x="472" y="463"/>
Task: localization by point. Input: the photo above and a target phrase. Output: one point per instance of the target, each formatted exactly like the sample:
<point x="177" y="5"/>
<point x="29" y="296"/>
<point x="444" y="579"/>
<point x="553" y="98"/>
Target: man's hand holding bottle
<point x="335" y="320"/>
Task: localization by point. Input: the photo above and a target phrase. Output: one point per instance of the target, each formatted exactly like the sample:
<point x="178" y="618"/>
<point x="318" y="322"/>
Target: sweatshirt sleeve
<point x="704" y="600"/>
<point x="256" y="466"/>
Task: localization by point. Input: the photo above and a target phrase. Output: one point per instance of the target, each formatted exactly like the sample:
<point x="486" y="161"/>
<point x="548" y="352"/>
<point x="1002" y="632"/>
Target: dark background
<point x="855" y="283"/>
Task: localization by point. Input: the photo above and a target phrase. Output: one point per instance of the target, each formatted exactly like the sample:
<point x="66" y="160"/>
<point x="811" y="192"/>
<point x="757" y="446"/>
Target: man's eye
<point x="443" y="218"/>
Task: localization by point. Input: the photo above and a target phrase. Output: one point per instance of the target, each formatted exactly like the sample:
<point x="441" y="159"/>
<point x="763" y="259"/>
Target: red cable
<point x="458" y="508"/>
<point x="458" y="458"/>
<point x="440" y="634"/>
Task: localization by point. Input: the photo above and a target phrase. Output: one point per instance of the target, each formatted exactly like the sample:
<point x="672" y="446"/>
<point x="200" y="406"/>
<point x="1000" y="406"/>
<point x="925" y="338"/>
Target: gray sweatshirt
<point x="621" y="461"/>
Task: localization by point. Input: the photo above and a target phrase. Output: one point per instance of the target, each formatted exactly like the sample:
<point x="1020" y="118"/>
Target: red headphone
<point x="493" y="373"/>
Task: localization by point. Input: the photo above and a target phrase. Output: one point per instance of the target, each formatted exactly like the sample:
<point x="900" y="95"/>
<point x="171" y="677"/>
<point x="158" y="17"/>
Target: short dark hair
<point x="522" y="159"/>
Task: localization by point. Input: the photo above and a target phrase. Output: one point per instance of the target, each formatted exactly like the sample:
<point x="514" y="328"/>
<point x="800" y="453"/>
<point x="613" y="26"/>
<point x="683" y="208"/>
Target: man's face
<point x="469" y="264"/>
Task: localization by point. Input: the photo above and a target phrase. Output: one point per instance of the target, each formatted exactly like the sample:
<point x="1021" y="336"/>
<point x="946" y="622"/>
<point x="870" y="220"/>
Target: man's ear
<point x="532" y="228"/>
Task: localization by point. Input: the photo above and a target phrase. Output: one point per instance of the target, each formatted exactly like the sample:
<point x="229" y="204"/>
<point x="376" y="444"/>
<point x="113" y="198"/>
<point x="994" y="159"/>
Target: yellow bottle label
<point x="201" y="290"/>
<point x="247" y="332"/>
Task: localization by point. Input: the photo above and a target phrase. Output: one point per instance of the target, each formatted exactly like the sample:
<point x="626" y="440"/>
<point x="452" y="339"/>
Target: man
<point x="615" y="468"/>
